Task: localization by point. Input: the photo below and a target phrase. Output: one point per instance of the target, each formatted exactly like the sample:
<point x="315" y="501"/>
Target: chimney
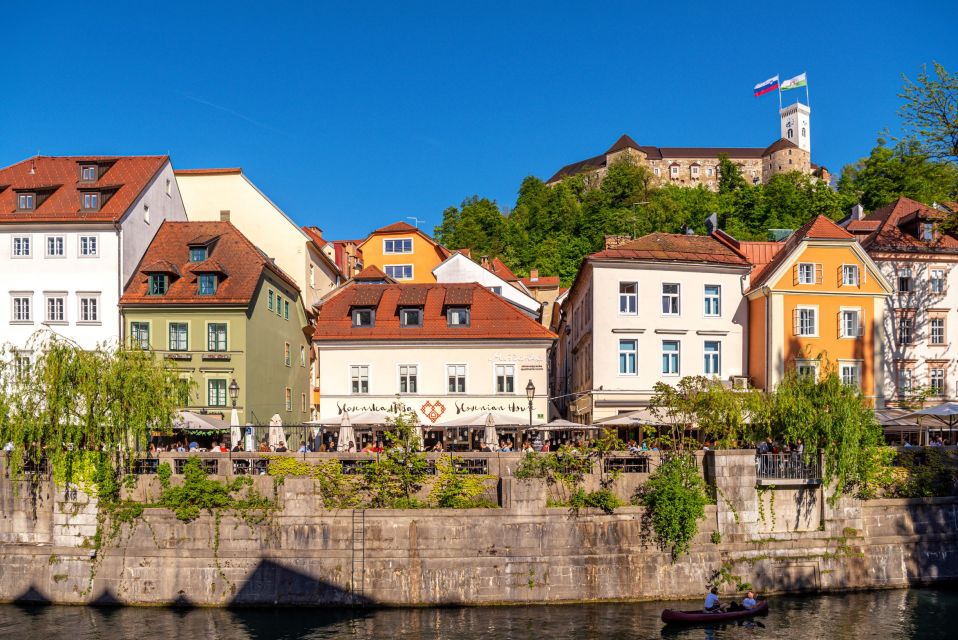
<point x="224" y="215"/>
<point x="484" y="262"/>
<point x="534" y="275"/>
<point x="711" y="223"/>
<point x="858" y="212"/>
<point x="613" y="242"/>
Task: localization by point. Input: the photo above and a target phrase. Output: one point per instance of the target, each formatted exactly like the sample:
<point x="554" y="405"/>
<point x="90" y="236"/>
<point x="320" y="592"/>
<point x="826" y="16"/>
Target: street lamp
<point x="234" y="391"/>
<point x="530" y="393"/>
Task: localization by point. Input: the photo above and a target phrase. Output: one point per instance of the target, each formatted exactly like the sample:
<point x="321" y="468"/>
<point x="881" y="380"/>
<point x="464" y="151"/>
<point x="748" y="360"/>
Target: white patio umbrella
<point x="490" y="438"/>
<point x="189" y="420"/>
<point x="236" y="433"/>
<point x="276" y="433"/>
<point x="946" y="414"/>
<point x="346" y="433"/>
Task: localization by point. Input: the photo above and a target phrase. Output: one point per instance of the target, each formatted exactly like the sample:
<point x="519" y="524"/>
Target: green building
<point x="210" y="302"/>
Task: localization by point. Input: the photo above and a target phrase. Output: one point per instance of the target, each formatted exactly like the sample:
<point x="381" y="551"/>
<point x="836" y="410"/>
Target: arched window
<point x="789" y="133"/>
<point x="803" y="132"/>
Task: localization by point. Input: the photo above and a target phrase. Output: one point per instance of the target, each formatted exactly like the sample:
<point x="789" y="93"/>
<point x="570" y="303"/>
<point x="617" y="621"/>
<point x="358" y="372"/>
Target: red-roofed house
<point x="815" y="299"/>
<point x="905" y="240"/>
<point x="72" y="231"/>
<point x="404" y="252"/>
<point x="441" y="350"/>
<point x="492" y="274"/>
<point x="652" y="309"/>
<point x="208" y="300"/>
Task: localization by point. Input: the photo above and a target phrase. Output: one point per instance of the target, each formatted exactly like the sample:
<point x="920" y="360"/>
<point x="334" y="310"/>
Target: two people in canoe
<point x="714" y="605"/>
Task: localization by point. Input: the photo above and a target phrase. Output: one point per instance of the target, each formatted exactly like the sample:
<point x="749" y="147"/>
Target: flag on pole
<point x="764" y="87"/>
<point x="796" y="82"/>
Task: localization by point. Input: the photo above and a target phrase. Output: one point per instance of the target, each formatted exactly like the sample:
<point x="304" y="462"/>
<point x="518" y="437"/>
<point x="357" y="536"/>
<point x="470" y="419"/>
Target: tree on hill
<point x="930" y="112"/>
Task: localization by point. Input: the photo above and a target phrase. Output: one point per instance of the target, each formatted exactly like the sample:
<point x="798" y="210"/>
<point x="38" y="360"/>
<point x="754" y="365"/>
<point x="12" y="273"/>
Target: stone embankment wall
<point x="523" y="552"/>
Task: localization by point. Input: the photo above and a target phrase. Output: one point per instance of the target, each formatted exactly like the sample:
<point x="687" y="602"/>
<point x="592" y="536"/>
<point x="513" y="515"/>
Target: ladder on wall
<point x="358" y="581"/>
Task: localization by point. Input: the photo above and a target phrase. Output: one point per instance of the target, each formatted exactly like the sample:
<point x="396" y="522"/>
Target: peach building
<point x="403" y="252"/>
<point x="816" y="299"/>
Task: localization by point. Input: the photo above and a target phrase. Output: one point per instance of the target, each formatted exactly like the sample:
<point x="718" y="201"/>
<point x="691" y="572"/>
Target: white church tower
<point x="796" y="127"/>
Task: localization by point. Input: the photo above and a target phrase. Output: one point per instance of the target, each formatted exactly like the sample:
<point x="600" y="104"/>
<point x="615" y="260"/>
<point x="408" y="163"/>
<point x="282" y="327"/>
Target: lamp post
<point x="235" y="433"/>
<point x="530" y="393"/>
<point x="234" y="391"/>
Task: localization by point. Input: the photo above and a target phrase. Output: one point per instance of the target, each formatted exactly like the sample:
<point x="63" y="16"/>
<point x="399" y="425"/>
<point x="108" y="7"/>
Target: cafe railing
<point x="788" y="466"/>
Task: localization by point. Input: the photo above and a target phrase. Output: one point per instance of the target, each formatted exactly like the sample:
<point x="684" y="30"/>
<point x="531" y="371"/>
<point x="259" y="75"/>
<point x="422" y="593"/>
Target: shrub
<point x="675" y="497"/>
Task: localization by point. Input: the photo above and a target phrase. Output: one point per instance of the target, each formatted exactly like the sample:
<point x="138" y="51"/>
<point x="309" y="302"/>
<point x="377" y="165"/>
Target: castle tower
<point x="796" y="125"/>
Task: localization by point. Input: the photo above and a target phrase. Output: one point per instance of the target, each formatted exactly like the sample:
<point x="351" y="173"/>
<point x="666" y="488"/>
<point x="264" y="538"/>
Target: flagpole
<point x="779" y="98"/>
<point x="808" y="103"/>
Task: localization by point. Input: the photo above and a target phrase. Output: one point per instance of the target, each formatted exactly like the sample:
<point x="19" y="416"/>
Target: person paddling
<point x="712" y="603"/>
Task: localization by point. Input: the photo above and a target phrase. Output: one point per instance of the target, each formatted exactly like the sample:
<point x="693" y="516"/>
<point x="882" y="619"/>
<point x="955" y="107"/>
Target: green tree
<point x="393" y="480"/>
<point x="70" y="403"/>
<point x="675" y="497"/>
<point x="930" y="111"/>
<point x="730" y="176"/>
<point x="715" y="409"/>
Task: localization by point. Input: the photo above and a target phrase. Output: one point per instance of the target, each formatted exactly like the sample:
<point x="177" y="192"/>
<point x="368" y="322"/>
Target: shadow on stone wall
<point x="274" y="583"/>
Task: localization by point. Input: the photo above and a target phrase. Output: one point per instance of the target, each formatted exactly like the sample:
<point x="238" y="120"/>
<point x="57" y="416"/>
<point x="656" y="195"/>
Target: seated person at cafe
<point x="282" y="447"/>
<point x="438" y="447"/>
<point x="303" y="448"/>
<point x="238" y="446"/>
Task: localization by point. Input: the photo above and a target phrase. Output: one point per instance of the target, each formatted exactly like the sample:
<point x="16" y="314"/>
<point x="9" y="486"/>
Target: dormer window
<point x="198" y="254"/>
<point x="159" y="283"/>
<point x="927" y="231"/>
<point x="457" y="316"/>
<point x="91" y="201"/>
<point x="410" y="317"/>
<point x="26" y="201"/>
<point x="364" y="317"/>
<point x="207" y="284"/>
<point x="397" y="245"/>
<point x="88" y="173"/>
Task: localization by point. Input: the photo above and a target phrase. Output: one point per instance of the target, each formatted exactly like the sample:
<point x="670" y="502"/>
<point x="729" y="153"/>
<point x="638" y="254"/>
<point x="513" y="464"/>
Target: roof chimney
<point x="613" y="242"/>
<point x="711" y="223"/>
<point x="534" y="275"/>
<point x="484" y="262"/>
<point x="858" y="212"/>
<point x="224" y="215"/>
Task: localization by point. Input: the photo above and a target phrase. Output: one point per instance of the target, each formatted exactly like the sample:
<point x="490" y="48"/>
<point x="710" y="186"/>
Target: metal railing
<point x="788" y="466"/>
<point x="634" y="464"/>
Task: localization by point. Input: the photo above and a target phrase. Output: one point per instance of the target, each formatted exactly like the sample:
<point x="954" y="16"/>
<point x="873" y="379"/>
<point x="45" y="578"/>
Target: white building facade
<point x="459" y="268"/>
<point x="68" y="244"/>
<point x="656" y="309"/>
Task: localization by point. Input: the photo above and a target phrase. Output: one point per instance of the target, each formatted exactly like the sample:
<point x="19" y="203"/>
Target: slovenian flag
<point x="764" y="87"/>
<point x="796" y="82"/>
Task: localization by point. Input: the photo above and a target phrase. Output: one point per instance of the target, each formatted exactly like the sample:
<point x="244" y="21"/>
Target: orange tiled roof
<point x="499" y="268"/>
<point x="232" y="255"/>
<point x="895" y="228"/>
<point x="372" y="273"/>
<point x="541" y="281"/>
<point x="674" y="247"/>
<point x="490" y="316"/>
<point x="818" y="228"/>
<point x="397" y="227"/>
<point x="56" y="180"/>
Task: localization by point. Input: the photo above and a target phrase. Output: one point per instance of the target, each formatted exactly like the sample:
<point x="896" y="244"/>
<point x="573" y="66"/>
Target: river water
<point x="927" y="614"/>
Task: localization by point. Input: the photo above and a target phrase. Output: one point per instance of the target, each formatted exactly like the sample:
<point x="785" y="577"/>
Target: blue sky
<point x="354" y="115"/>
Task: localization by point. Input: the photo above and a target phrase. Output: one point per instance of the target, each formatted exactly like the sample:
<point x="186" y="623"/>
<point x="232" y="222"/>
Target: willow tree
<point x="81" y="409"/>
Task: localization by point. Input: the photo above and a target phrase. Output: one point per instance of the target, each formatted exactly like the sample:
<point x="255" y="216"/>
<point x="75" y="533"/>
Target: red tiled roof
<point x="499" y="268"/>
<point x="233" y="254"/>
<point x="490" y="316"/>
<point x="818" y="228"/>
<point x="316" y="235"/>
<point x="209" y="172"/>
<point x="674" y="247"/>
<point x="397" y="227"/>
<point x="541" y="281"/>
<point x="891" y="232"/>
<point x="859" y="226"/>
<point x="374" y="273"/>
<point x="59" y="177"/>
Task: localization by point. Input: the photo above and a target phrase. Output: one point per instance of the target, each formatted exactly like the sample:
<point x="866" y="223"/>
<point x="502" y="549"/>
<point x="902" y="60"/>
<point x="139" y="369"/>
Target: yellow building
<point x="816" y="299"/>
<point x="403" y="252"/>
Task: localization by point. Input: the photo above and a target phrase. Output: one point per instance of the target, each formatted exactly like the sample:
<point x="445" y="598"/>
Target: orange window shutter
<point x="818" y="273"/>
<point x="795" y="274"/>
<point x="795" y="322"/>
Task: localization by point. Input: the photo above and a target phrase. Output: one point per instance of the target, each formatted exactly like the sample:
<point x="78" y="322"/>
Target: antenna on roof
<point x="415" y="220"/>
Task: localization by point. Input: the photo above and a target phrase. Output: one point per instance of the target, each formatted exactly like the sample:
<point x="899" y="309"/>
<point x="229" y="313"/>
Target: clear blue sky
<point x="355" y="115"/>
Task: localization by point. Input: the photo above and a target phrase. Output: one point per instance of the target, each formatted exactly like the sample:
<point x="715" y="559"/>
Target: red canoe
<point x="694" y="617"/>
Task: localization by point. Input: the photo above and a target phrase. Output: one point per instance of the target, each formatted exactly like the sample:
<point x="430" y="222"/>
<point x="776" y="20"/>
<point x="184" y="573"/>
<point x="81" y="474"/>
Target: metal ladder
<point x="358" y="581"/>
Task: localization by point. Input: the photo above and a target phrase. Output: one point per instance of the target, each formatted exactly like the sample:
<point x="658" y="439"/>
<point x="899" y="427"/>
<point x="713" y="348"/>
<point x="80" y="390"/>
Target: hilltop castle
<point x="693" y="166"/>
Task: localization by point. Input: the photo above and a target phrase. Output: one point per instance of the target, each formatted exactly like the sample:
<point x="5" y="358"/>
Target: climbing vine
<point x="456" y="488"/>
<point x="674" y="496"/>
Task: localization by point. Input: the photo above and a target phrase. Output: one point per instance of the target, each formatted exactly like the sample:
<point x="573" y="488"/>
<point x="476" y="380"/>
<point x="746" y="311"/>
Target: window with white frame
<point x="505" y="378"/>
<point x="89" y="247"/>
<point x="397" y="245"/>
<point x="850" y="275"/>
<point x="359" y="378"/>
<point x="927" y="231"/>
<point x="56" y="308"/>
<point x="457" y="317"/>
<point x="91" y="200"/>
<point x="628" y="356"/>
<point x="289" y="399"/>
<point x="88" y="173"/>
<point x="851" y="323"/>
<point x="628" y="297"/>
<point x="670" y="357"/>
<point x="140" y="335"/>
<point x="937" y="280"/>
<point x="674" y="170"/>
<point x="399" y="271"/>
<point x="694" y="170"/>
<point x="713" y="300"/>
<point x="670" y="299"/>
<point x="179" y="336"/>
<point x="410" y="317"/>
<point x="936" y="380"/>
<point x="408" y="378"/>
<point x="287" y="359"/>
<point x="807" y="368"/>
<point x="88" y="307"/>
<point x="906" y="327"/>
<point x="302" y="356"/>
<point x="713" y="358"/>
<point x="21" y="247"/>
<point x="936" y="330"/>
<point x="26" y="201"/>
<point x="363" y="317"/>
<point x="56" y="247"/>
<point x="709" y="171"/>
<point x="207" y="284"/>
<point x="906" y="380"/>
<point x="904" y="280"/>
<point x="456" y="377"/>
<point x="806" y="321"/>
<point x="806" y="273"/>
<point x="22" y="308"/>
<point x="216" y="392"/>
<point x="216" y="336"/>
<point x="851" y="374"/>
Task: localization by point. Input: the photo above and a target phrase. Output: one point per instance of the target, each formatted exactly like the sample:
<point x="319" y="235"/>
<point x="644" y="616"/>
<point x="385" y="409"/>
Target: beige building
<point x="228" y="195"/>
<point x="694" y="166"/>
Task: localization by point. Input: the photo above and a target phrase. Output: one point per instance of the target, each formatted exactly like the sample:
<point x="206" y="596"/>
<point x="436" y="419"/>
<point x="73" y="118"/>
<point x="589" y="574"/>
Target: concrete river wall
<point x="782" y="538"/>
